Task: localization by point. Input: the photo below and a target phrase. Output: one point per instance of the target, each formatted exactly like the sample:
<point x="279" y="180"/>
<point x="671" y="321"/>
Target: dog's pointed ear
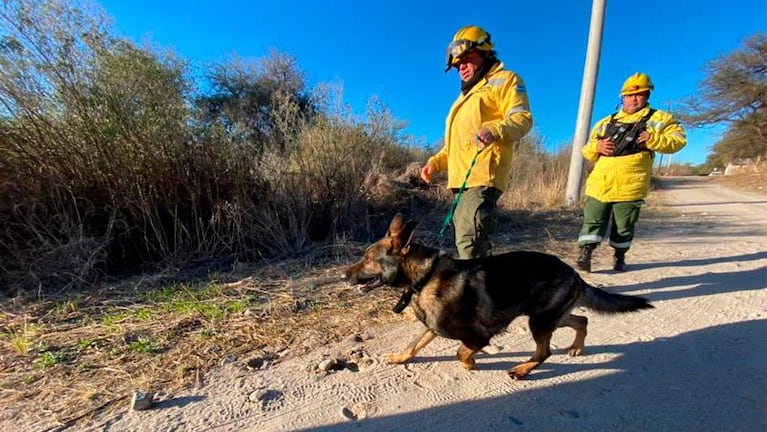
<point x="396" y="225"/>
<point x="407" y="233"/>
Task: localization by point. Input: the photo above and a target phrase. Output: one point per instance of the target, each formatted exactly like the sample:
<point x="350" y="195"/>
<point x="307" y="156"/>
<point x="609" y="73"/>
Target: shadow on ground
<point x="678" y="384"/>
<point x="703" y="284"/>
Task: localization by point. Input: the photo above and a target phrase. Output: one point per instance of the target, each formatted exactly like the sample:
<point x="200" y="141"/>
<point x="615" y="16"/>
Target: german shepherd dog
<point x="473" y="300"/>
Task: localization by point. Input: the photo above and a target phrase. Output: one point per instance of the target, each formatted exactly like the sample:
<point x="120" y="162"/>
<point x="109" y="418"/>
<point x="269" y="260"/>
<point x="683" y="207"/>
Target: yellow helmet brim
<point x="637" y="90"/>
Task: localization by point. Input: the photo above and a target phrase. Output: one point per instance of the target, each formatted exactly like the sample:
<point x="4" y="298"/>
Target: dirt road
<point x="698" y="362"/>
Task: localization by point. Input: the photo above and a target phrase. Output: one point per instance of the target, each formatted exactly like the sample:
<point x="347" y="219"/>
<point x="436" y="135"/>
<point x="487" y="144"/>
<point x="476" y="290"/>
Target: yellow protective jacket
<point x="498" y="102"/>
<point x="627" y="178"/>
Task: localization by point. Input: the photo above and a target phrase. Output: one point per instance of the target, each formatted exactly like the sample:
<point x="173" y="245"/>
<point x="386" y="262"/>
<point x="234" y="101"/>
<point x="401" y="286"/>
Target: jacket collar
<point x="639" y="114"/>
<point x="495" y="68"/>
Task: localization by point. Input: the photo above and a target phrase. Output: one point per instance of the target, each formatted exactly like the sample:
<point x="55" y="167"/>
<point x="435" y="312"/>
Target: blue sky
<point x="395" y="49"/>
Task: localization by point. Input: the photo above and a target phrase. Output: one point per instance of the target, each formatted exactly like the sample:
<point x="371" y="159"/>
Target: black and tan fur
<point x="474" y="300"/>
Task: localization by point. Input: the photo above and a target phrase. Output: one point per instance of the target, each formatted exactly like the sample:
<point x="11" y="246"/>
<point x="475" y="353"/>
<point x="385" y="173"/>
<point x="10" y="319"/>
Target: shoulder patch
<point x="521" y="89"/>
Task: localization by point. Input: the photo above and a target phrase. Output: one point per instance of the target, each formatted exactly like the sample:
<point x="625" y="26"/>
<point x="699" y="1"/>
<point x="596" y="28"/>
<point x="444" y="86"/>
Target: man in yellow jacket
<point x="623" y="146"/>
<point x="490" y="114"/>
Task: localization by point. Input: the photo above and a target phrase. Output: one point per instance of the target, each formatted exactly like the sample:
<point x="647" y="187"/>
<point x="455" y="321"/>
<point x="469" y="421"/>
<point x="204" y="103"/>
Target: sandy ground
<point x="698" y="362"/>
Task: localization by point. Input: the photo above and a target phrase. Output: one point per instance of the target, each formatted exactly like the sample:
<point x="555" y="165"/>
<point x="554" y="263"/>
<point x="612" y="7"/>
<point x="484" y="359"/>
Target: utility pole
<point x="586" y="103"/>
<point x="668" y="167"/>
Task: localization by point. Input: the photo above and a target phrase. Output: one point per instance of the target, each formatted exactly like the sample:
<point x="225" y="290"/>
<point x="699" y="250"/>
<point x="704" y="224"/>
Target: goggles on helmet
<point x="458" y="48"/>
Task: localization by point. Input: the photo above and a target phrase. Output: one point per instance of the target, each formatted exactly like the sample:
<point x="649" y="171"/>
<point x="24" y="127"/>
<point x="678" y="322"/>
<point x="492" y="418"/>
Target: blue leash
<point x="449" y="217"/>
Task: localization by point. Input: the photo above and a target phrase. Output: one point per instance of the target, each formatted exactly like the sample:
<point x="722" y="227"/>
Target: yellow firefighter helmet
<point x="637" y="83"/>
<point x="466" y="39"/>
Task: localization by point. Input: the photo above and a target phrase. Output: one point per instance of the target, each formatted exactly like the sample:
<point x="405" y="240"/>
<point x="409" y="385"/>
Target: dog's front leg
<point x="412" y="349"/>
<point x="466" y="356"/>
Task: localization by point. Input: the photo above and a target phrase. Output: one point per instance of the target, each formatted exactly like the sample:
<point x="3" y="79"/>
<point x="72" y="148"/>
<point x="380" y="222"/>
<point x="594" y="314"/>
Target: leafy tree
<point x="249" y="100"/>
<point x="82" y="104"/>
<point x="734" y="92"/>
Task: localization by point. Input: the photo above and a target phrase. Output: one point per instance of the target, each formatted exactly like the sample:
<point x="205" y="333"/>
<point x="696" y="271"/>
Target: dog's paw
<point x="574" y="351"/>
<point x="522" y="370"/>
<point x="396" y="359"/>
<point x="516" y="375"/>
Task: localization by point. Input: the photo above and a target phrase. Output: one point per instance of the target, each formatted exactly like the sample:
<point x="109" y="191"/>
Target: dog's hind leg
<point x="542" y="332"/>
<point x="579" y="324"/>
<point x="412" y="349"/>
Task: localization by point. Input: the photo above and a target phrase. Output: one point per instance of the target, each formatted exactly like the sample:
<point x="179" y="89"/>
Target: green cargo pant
<point x="621" y="216"/>
<point x="475" y="220"/>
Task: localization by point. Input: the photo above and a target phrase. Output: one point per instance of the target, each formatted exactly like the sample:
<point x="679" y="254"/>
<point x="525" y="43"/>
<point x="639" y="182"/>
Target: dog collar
<point x="407" y="295"/>
<point x="404" y="300"/>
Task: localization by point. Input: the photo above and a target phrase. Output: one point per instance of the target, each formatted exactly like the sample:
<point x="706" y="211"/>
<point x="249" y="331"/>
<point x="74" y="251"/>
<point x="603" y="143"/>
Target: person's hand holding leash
<point x="484" y="138"/>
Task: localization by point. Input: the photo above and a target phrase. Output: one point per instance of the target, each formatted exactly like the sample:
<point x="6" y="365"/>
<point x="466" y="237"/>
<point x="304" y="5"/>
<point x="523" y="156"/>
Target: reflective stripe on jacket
<point x="627" y="178"/>
<point x="498" y="102"/>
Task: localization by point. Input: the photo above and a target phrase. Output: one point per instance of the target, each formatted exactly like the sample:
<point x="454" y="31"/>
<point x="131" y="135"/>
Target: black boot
<point x="619" y="260"/>
<point x="584" y="260"/>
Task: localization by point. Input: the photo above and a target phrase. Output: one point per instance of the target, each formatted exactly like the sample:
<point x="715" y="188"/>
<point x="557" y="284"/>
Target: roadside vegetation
<point x="733" y="93"/>
<point x="154" y="224"/>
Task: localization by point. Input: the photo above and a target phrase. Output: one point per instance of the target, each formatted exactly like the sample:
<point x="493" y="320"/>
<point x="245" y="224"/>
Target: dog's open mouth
<point x="367" y="285"/>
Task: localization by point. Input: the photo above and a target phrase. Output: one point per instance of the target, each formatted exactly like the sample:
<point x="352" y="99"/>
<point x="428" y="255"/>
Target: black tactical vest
<point x="624" y="135"/>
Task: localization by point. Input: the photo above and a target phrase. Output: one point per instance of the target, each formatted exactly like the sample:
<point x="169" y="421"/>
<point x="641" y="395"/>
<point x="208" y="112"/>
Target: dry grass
<point x="81" y="352"/>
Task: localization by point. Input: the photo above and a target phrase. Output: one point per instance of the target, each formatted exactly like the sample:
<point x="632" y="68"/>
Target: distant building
<point x="738" y="166"/>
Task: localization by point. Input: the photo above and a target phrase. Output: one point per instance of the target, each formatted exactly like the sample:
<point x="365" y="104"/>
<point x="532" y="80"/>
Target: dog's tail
<point x="606" y="302"/>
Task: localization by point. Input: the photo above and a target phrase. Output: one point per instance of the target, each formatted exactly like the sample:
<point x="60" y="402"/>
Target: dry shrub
<point x="103" y="152"/>
<point x="323" y="181"/>
<point x="64" y="254"/>
<point x="107" y="165"/>
<point x="538" y="179"/>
